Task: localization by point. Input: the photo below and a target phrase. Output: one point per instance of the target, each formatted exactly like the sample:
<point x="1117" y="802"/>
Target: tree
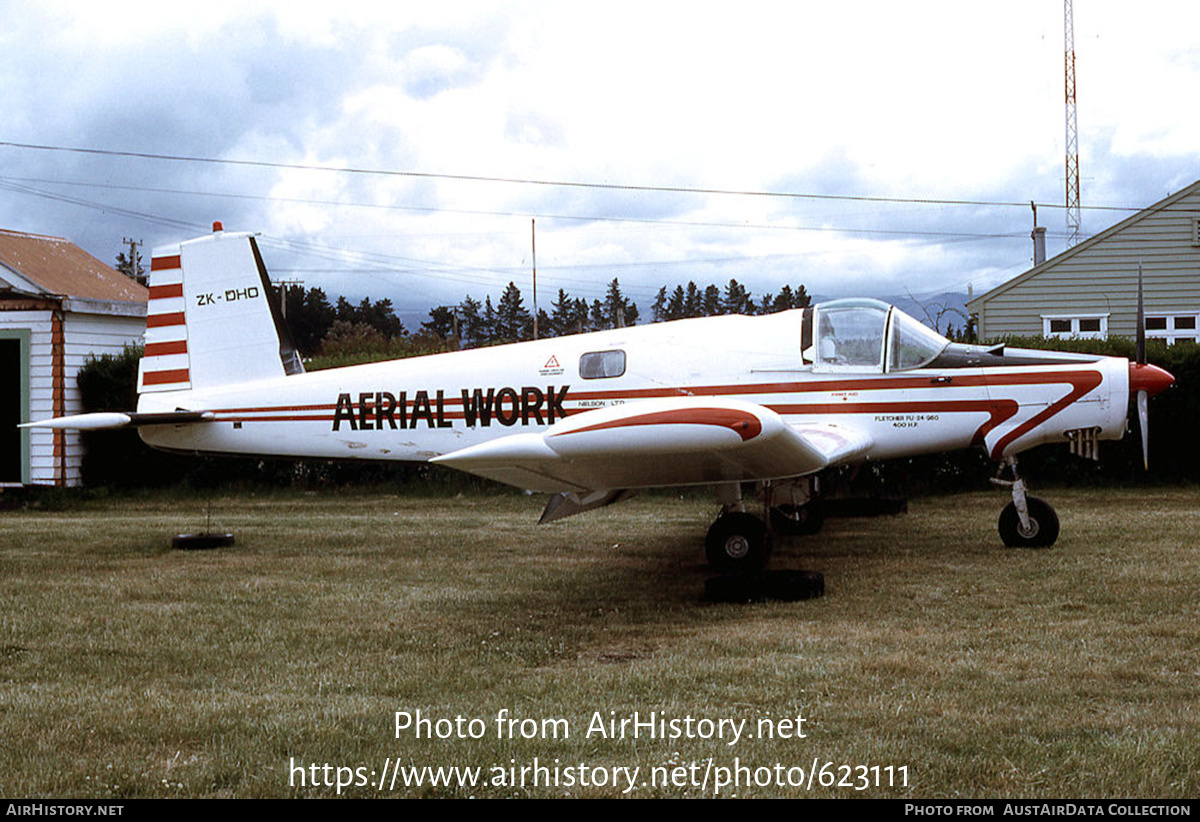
<point x="489" y="321"/>
<point x="736" y="299"/>
<point x="691" y="301"/>
<point x="131" y="266"/>
<point x="658" y="311"/>
<point x="471" y="326"/>
<point x="562" y="316"/>
<point x="309" y="316"/>
<point x="442" y="323"/>
<point x="617" y="311"/>
<point x="676" y="306"/>
<point x="513" y="322"/>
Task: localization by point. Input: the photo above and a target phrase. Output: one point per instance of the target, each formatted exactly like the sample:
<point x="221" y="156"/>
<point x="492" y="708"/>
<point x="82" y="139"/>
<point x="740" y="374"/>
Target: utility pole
<point x="1073" y="207"/>
<point x="533" y="239"/>
<point x="283" y="286"/>
<point x="135" y="269"/>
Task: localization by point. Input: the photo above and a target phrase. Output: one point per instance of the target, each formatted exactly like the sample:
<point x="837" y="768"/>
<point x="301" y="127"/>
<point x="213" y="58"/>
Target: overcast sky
<point x="643" y="104"/>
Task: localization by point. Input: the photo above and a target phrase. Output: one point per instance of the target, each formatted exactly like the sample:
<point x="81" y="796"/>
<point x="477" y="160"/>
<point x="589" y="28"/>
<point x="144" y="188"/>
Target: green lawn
<point x="938" y="664"/>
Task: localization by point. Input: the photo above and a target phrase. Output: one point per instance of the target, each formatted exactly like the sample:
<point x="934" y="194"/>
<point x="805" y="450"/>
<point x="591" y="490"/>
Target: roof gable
<point x="1087" y="244"/>
<point x="58" y="267"/>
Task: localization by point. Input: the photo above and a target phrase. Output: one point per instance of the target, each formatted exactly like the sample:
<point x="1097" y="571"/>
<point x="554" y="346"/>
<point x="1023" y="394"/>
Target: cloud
<point x="936" y="100"/>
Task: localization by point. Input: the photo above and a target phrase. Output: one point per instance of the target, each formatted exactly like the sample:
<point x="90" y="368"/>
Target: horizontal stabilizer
<point x="102" y="420"/>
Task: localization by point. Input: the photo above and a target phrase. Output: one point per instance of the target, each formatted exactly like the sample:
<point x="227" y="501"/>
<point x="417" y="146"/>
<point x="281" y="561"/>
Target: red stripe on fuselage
<point x="1082" y="382"/>
<point x="998" y="410"/>
<point x="744" y="424"/>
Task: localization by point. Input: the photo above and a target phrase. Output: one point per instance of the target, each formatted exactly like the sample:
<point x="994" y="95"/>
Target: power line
<point x="955" y="235"/>
<point x="530" y="181"/>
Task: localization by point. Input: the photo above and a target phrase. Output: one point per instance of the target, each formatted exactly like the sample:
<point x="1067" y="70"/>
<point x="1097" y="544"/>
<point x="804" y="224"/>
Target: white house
<point x="58" y="306"/>
<point x="1090" y="290"/>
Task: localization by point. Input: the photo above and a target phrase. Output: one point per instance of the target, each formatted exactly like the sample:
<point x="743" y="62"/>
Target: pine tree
<point x="441" y="322"/>
<point x="736" y="299"/>
<point x="470" y="323"/>
<point x="658" y="311"/>
<point x="562" y="310"/>
<point x="489" y="321"/>
<point x="676" y="309"/>
<point x="691" y="301"/>
<point x="513" y="322"/>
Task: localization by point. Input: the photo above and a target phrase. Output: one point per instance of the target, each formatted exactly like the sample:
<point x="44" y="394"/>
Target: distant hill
<point x="943" y="307"/>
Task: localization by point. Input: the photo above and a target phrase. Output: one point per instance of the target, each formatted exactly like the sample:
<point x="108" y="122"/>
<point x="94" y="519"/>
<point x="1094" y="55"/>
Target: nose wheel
<point x="1026" y="522"/>
<point x="1040" y="529"/>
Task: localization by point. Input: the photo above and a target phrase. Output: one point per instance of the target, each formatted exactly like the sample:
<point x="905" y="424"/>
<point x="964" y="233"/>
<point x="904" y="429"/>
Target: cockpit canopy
<point x="869" y="336"/>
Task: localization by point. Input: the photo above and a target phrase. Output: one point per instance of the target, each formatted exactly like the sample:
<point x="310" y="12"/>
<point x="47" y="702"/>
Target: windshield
<point x="913" y="344"/>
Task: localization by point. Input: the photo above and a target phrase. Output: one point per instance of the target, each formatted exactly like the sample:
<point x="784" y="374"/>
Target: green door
<point x="14" y="406"/>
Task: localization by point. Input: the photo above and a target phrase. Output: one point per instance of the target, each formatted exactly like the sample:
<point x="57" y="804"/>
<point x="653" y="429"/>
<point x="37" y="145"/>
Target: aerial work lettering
<point x="379" y="410"/>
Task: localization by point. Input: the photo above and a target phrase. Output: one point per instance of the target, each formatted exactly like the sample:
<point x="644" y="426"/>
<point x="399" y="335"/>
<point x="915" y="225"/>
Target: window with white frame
<point x="1078" y="326"/>
<point x="1174" y="327"/>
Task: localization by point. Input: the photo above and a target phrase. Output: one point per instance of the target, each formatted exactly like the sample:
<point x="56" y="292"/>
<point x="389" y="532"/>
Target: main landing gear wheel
<point x="1043" y="525"/>
<point x="737" y="541"/>
<point x="798" y="520"/>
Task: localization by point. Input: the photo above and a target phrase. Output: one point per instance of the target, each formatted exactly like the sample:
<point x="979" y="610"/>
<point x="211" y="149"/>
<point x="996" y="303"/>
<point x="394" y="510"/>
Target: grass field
<point x="938" y="664"/>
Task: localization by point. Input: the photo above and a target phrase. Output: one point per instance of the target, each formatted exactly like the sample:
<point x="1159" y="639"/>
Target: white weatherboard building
<point x="59" y="306"/>
<point x="1090" y="290"/>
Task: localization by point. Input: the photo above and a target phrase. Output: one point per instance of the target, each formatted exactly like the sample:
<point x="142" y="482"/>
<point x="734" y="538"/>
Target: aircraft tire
<point x="737" y="542"/>
<point x="1043" y="523"/>
<point x="798" y="520"/>
<point x="201" y="542"/>
<point x="765" y="586"/>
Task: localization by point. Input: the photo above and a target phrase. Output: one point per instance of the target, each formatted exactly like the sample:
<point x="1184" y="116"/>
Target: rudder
<point x="210" y="319"/>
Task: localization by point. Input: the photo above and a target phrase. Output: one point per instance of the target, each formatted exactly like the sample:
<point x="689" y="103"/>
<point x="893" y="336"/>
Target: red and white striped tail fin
<point x="210" y="319"/>
<point x="165" y="364"/>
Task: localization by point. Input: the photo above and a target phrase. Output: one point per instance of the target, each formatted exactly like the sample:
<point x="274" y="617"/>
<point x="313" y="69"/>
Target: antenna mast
<point x="1072" y="126"/>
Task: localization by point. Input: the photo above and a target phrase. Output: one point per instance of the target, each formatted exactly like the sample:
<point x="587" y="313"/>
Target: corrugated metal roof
<point x="61" y="268"/>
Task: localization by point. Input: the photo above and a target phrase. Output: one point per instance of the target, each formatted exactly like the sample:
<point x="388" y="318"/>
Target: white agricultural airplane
<point x="719" y="401"/>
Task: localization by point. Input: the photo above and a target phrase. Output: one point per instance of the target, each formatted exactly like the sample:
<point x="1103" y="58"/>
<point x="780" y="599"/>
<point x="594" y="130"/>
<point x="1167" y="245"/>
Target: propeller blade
<point x="1141" y="322"/>
<point x="1143" y="401"/>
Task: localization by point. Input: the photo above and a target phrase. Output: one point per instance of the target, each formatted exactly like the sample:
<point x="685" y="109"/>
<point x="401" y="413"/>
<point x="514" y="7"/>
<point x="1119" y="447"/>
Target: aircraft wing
<point x="661" y="442"/>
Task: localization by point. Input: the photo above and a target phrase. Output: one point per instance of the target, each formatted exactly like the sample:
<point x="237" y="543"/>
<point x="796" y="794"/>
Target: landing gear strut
<point x="1026" y="522"/>
<point x="741" y="542"/>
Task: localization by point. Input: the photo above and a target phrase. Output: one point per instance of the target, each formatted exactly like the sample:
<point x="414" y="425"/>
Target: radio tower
<point x="1072" y="127"/>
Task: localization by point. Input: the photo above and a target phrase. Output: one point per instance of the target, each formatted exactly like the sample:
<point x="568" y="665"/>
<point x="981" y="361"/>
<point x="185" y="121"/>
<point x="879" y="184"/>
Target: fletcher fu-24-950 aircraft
<point x="721" y="401"/>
